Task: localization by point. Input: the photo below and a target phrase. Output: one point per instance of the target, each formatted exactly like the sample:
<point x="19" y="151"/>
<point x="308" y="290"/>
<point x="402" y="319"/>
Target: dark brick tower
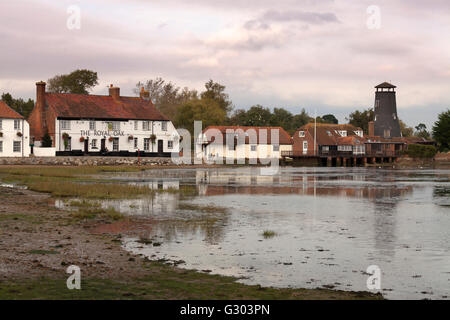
<point x="386" y="122"/>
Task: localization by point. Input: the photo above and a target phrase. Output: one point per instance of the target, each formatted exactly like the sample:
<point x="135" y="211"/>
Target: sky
<point x="322" y="55"/>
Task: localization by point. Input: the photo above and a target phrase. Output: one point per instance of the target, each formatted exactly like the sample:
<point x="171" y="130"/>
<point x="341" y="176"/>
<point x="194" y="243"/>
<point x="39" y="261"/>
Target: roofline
<point x="105" y="119"/>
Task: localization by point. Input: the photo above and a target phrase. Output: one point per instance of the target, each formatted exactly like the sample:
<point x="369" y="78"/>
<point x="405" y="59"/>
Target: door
<point x="86" y="146"/>
<point x="103" y="145"/>
<point x="160" y="146"/>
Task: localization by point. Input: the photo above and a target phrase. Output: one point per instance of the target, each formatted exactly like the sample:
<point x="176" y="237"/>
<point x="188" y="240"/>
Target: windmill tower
<point x="386" y="122"/>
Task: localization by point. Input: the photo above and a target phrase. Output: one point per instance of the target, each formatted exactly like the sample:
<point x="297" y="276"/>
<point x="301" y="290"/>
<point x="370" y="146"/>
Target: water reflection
<point x="332" y="223"/>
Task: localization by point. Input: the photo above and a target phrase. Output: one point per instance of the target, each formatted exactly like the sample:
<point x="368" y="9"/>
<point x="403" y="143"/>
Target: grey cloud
<point x="301" y="16"/>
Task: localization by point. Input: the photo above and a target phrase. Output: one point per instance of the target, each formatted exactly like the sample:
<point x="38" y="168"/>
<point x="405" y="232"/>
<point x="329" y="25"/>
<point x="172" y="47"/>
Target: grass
<point x="163" y="282"/>
<point x="267" y="234"/>
<point x="92" y="213"/>
<point x="67" y="172"/>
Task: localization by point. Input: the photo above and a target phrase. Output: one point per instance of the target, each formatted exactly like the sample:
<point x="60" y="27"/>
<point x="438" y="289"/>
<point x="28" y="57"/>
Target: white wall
<point x="44" y="152"/>
<point x="10" y="136"/>
<point x="80" y="128"/>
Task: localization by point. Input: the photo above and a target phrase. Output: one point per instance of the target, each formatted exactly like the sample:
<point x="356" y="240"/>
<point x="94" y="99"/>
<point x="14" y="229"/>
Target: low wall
<point x="44" y="152"/>
<point x="84" y="161"/>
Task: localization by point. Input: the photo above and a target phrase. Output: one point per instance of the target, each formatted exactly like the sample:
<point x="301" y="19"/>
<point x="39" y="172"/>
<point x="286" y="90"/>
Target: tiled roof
<point x="7" y="113"/>
<point x="101" y="107"/>
<point x="327" y="134"/>
<point x="385" y="85"/>
<point x="284" y="137"/>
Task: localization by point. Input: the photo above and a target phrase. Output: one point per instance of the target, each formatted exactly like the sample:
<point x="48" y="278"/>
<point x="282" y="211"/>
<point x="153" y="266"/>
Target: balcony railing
<point x="335" y="153"/>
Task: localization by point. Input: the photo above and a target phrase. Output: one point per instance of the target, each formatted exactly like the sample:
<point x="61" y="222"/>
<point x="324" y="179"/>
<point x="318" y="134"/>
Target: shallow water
<point x="330" y="225"/>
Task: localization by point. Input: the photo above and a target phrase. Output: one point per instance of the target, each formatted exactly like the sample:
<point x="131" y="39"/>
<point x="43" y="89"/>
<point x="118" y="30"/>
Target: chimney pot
<point x="114" y="92"/>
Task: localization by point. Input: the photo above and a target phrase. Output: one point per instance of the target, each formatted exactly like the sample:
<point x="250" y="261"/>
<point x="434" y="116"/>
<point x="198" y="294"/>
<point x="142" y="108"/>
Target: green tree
<point x="361" y="119"/>
<point x="46" y="140"/>
<point x="282" y="118"/>
<point x="19" y="105"/>
<point x="421" y="131"/>
<point x="405" y="130"/>
<point x="206" y="110"/>
<point x="300" y="120"/>
<point x="441" y="131"/>
<point x="216" y="92"/>
<point x="79" y="81"/>
<point x="330" y="118"/>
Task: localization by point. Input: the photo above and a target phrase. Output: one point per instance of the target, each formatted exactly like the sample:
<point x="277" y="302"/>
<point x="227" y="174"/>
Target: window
<point x="116" y="125"/>
<point x="17" y="146"/>
<point x="16" y="124"/>
<point x="387" y="133"/>
<point x="276" y="148"/>
<point x="170" y="144"/>
<point x="136" y="125"/>
<point x="0" y="124"/>
<point x="301" y="134"/>
<point x="116" y="144"/>
<point x="325" y="148"/>
<point x="135" y="143"/>
<point x="91" y="125"/>
<point x="377" y="103"/>
<point x="65" y="124"/>
<point x="394" y="116"/>
<point x="94" y="144"/>
<point x="253" y="147"/>
<point x="164" y="126"/>
<point x="305" y="146"/>
<point x="146" y="125"/>
<point x="328" y="133"/>
<point x="359" y="133"/>
<point x="344" y="148"/>
<point x="146" y="144"/>
<point x="1" y="146"/>
<point x="343" y="133"/>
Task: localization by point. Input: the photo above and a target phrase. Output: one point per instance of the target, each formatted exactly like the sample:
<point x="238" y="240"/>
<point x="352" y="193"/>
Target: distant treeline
<point x="213" y="106"/>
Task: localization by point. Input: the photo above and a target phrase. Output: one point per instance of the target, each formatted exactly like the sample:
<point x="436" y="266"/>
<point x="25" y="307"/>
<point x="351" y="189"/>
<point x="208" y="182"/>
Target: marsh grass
<point x="68" y="172"/>
<point x="267" y="234"/>
<point x="92" y="213"/>
<point x="84" y="204"/>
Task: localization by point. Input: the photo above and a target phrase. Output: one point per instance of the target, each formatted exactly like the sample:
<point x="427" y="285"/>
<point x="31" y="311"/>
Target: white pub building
<point x="102" y="125"/>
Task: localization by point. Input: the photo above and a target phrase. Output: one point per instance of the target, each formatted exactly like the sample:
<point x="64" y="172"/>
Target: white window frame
<point x="343" y="133"/>
<point x="65" y="124"/>
<point x="115" y="143"/>
<point x="16" y="124"/>
<point x="169" y="144"/>
<point x="92" y="125"/>
<point x="253" y="148"/>
<point x="115" y="125"/>
<point x="146" y="125"/>
<point x="301" y="134"/>
<point x="94" y="144"/>
<point x="305" y="147"/>
<point x="164" y="126"/>
<point x="136" y="125"/>
<point x="15" y="145"/>
<point x="146" y="144"/>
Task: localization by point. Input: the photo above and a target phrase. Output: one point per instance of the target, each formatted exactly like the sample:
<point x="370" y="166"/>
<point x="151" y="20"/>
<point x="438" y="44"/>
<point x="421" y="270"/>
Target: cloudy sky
<point x="324" y="55"/>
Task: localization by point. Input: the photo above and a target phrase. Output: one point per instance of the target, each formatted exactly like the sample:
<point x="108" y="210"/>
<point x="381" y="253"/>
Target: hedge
<point x="421" y="151"/>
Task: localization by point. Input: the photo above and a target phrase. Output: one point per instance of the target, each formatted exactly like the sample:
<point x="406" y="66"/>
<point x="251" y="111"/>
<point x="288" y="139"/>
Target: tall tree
<point x="441" y="131"/>
<point x="300" y="120"/>
<point x="19" y="105"/>
<point x="79" y="81"/>
<point x="206" y="110"/>
<point x="330" y="118"/>
<point x="361" y="119"/>
<point x="282" y="118"/>
<point x="421" y="131"/>
<point x="215" y="91"/>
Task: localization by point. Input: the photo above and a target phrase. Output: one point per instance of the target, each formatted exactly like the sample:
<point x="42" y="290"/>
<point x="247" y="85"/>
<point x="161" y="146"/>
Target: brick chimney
<point x="40" y="94"/>
<point x="114" y="92"/>
<point x="371" y="128"/>
<point x="144" y="94"/>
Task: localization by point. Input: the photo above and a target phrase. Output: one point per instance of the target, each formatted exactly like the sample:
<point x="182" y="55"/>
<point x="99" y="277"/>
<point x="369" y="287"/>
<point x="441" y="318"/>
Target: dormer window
<point x="301" y="134"/>
<point x="359" y="133"/>
<point x="329" y="133"/>
<point x="343" y="133"/>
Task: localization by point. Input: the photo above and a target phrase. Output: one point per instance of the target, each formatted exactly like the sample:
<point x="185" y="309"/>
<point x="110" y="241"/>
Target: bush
<point x="421" y="151"/>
